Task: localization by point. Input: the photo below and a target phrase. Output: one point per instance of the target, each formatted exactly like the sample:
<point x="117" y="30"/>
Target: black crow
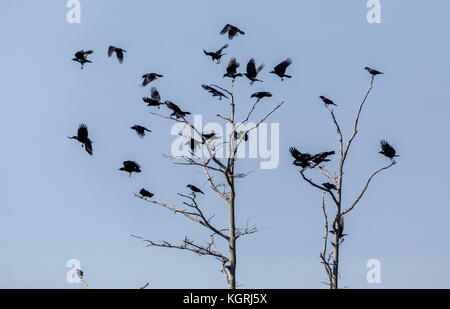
<point x="338" y="227"/>
<point x="327" y="101"/>
<point x="155" y="98"/>
<point x="208" y="135"/>
<point x="238" y="135"/>
<point x="194" y="189"/>
<point x="388" y="151"/>
<point x="280" y="69"/>
<point x="176" y="111"/>
<point x="322" y="157"/>
<point x="145" y="193"/>
<point x="260" y="95"/>
<point x="148" y="78"/>
<point x="140" y="130"/>
<point x="214" y="92"/>
<point x="130" y="167"/>
<point x="232" y="68"/>
<point x="217" y="55"/>
<point x="119" y="52"/>
<point x="81" y="57"/>
<point x="301" y="159"/>
<point x="82" y="137"/>
<point x="372" y="71"/>
<point x="252" y="71"/>
<point x="329" y="186"/>
<point x="232" y="31"/>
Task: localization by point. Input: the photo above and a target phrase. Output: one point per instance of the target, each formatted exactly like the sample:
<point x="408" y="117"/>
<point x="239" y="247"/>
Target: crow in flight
<point x="322" y="157"/>
<point x="119" y="52"/>
<point x="82" y="137"/>
<point x="231" y="69"/>
<point x="214" y="92"/>
<point x="194" y="189"/>
<point x="252" y="71"/>
<point x="155" y="98"/>
<point x="388" y="151"/>
<point x="217" y="55"/>
<point x="338" y="227"/>
<point x="140" y="130"/>
<point x="148" y="78"/>
<point x="327" y="101"/>
<point x="329" y="186"/>
<point x="280" y="69"/>
<point x="232" y="31"/>
<point x="130" y="167"/>
<point x="301" y="159"/>
<point x="260" y="95"/>
<point x="176" y="111"/>
<point x="372" y="71"/>
<point x="81" y="57"/>
<point x="145" y="193"/>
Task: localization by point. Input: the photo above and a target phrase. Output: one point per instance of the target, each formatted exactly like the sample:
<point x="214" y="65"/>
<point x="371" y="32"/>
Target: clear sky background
<point x="58" y="203"/>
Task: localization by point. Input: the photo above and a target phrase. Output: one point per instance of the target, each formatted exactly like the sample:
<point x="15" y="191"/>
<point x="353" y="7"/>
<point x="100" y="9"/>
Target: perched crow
<point x="209" y="135"/>
<point x="327" y="101"/>
<point x="301" y="159"/>
<point x="214" y="92"/>
<point x="130" y="167"/>
<point x="81" y="57"/>
<point x="176" y="111"/>
<point x="329" y="186"/>
<point x="252" y="71"/>
<point x="194" y="189"/>
<point x="155" y="98"/>
<point x="372" y="71"/>
<point x="82" y="137"/>
<point x="140" y="130"/>
<point x="322" y="157"/>
<point x="119" y="52"/>
<point x="388" y="151"/>
<point x="238" y="135"/>
<point x="232" y="68"/>
<point x="145" y="193"/>
<point x="280" y="69"/>
<point x="338" y="227"/>
<point x="260" y="95"/>
<point x="148" y="78"/>
<point x="232" y="31"/>
<point x="217" y="55"/>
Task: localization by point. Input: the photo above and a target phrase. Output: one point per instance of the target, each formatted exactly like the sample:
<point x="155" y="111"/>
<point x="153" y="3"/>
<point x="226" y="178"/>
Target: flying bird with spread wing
<point x="148" y="78"/>
<point x="155" y="98"/>
<point x="301" y="159"/>
<point x="214" y="92"/>
<point x="260" y="95"/>
<point x="82" y="137"/>
<point x="280" y="69"/>
<point x="81" y="57"/>
<point x="130" y="167"/>
<point x="140" y="130"/>
<point x="176" y="111"/>
<point x="252" y="71"/>
<point x="388" y="151"/>
<point x="232" y="69"/>
<point x="119" y="52"/>
<point x="232" y="31"/>
<point x="217" y="55"/>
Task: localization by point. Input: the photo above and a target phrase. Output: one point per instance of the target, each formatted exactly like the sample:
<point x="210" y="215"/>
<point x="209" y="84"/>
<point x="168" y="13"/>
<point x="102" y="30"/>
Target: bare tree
<point x="221" y="176"/>
<point x="330" y="253"/>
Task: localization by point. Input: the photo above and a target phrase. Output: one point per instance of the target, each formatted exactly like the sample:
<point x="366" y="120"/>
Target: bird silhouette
<point x="217" y="55"/>
<point x="329" y="186"/>
<point x="260" y="95"/>
<point x="372" y="71"/>
<point x="176" y="111"/>
<point x="322" y="157"/>
<point x="140" y="130"/>
<point x="81" y="57"/>
<point x="280" y="69"/>
<point x="232" y="68"/>
<point x="82" y="137"/>
<point x="388" y="151"/>
<point x="252" y="71"/>
<point x="194" y="189"/>
<point x="148" y="78"/>
<point x="130" y="167"/>
<point x="301" y="159"/>
<point x="119" y="52"/>
<point x="327" y="101"/>
<point x="155" y="98"/>
<point x="214" y="92"/>
<point x="146" y="194"/>
<point x="238" y="135"/>
<point x="231" y="30"/>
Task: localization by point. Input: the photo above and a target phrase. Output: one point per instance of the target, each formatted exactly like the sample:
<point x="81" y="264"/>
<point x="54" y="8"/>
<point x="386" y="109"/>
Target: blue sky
<point x="58" y="203"/>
